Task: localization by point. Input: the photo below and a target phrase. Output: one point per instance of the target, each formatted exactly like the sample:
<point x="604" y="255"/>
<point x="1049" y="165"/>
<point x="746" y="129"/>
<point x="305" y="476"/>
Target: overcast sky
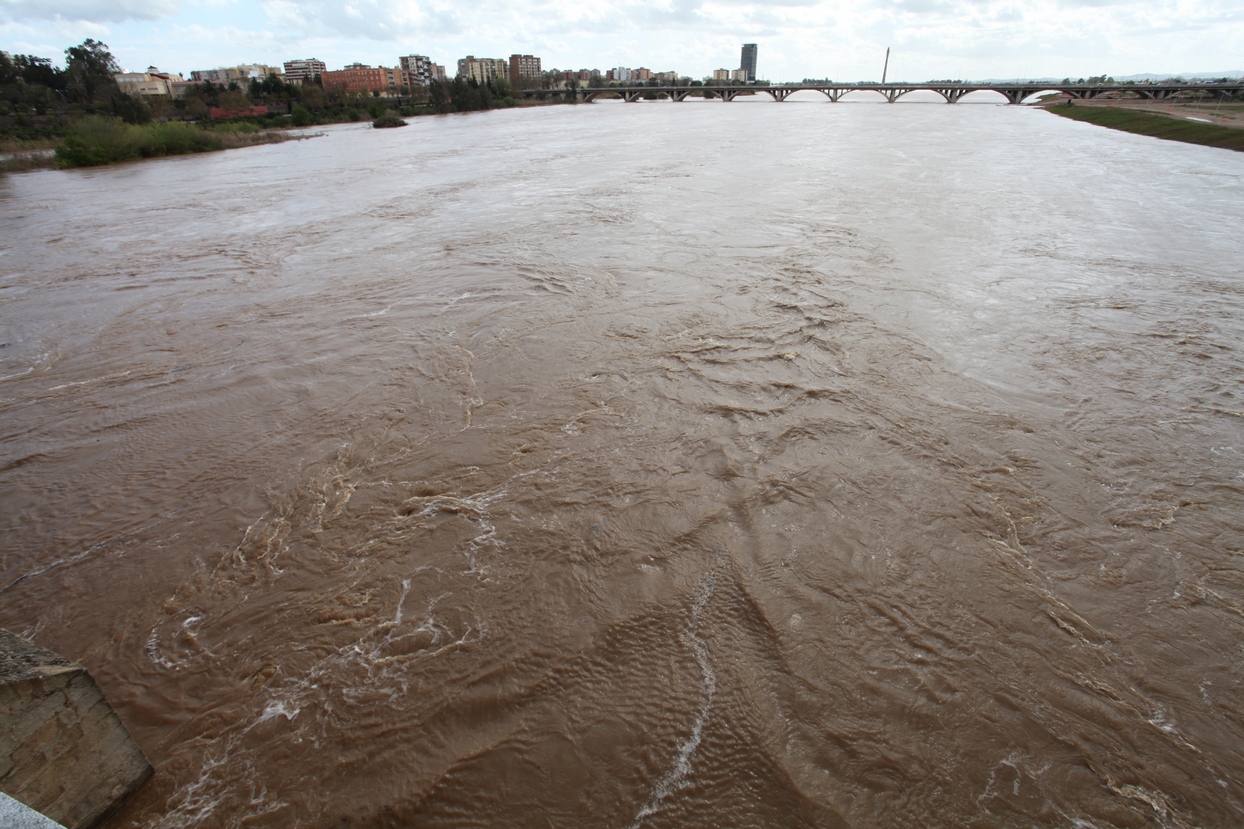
<point x="845" y="40"/>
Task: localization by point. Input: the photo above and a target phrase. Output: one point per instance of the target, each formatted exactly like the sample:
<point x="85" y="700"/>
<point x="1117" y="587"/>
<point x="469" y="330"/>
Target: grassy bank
<point x="96" y="140"/>
<point x="1158" y="126"/>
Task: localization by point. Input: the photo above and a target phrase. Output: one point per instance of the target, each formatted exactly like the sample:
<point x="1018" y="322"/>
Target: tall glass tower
<point x="748" y="63"/>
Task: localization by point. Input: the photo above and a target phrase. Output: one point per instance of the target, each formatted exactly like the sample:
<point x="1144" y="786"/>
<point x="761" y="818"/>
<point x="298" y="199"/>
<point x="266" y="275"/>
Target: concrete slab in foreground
<point x="63" y="751"/>
<point x="17" y="815"/>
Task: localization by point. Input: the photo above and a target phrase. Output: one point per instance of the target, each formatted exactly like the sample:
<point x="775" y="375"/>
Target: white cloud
<point x="843" y="39"/>
<point x="93" y="11"/>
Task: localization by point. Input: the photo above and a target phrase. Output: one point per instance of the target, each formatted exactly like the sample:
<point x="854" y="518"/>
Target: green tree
<point x="196" y="107"/>
<point x="8" y="70"/>
<point x="41" y="71"/>
<point x="90" y="71"/>
<point x="234" y="100"/>
<point x="438" y="96"/>
<point x="30" y="84"/>
<point x="312" y="96"/>
<point x="131" y="109"/>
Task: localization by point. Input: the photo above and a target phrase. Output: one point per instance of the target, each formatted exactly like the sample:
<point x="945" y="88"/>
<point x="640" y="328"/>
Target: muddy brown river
<point x="653" y="465"/>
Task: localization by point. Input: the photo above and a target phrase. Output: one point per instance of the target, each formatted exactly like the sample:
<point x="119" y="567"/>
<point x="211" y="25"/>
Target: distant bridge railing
<point x="952" y="92"/>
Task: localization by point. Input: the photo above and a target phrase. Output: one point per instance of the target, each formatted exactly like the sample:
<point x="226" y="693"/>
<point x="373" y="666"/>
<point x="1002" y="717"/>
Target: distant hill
<point x="1187" y="76"/>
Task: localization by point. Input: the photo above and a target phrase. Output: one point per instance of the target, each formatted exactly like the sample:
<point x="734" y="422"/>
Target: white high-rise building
<point x="419" y="70"/>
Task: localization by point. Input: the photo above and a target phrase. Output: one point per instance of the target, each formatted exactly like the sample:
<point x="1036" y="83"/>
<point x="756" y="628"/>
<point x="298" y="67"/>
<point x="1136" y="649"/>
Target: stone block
<point x="63" y="750"/>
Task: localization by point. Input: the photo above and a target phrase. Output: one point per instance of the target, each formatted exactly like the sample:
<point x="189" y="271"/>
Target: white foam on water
<point x="115" y="376"/>
<point x="676" y="777"/>
<point x="397" y="616"/>
<point x="277" y="708"/>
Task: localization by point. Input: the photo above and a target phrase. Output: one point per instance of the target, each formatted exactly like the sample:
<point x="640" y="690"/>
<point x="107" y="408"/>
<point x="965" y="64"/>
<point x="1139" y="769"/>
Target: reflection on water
<point x="655" y="465"/>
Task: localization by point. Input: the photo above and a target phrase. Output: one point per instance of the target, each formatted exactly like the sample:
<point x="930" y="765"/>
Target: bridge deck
<point x="951" y="92"/>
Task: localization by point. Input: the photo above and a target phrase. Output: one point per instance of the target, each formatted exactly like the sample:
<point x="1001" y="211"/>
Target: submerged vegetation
<point x="1153" y="124"/>
<point x="387" y="121"/>
<point x="96" y="140"/>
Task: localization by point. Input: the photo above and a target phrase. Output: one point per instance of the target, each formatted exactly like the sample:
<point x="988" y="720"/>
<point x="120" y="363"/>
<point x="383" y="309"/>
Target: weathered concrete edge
<point x="69" y="756"/>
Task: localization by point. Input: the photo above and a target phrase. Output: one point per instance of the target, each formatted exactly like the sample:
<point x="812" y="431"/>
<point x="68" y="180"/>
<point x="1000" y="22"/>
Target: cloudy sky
<point x="843" y="40"/>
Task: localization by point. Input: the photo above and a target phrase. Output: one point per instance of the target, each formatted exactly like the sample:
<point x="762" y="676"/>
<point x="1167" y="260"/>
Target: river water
<point x="646" y="465"/>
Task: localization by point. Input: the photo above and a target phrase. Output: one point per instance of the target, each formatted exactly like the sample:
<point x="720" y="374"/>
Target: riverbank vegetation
<point x="1155" y="125"/>
<point x="96" y="139"/>
<point x="79" y="115"/>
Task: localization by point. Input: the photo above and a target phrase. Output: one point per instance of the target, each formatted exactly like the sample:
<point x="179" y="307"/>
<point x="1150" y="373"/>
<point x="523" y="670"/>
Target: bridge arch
<point x="844" y="93"/>
<point x="995" y="96"/>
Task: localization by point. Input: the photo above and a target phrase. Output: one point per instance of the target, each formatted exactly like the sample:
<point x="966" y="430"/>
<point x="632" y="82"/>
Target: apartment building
<point x="482" y="70"/>
<point x="303" y="71"/>
<point x="241" y="75"/>
<point x="417" y="69"/>
<point x="524" y="71"/>
<point x="359" y="77"/>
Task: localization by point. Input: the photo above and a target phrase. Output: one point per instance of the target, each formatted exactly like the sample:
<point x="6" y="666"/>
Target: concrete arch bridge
<point x="951" y="92"/>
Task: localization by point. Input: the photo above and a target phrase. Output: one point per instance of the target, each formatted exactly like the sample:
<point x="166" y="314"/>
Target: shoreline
<point x="1228" y="114"/>
<point x="1168" y="125"/>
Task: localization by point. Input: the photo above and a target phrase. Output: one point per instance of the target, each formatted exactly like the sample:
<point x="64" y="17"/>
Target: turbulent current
<point x="643" y="465"/>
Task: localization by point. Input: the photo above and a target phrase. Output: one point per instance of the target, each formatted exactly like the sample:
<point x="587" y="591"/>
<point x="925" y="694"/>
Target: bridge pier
<point x="727" y="94"/>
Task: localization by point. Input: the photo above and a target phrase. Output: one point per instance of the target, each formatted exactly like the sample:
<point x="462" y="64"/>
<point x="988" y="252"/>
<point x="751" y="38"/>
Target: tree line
<point x="31" y="85"/>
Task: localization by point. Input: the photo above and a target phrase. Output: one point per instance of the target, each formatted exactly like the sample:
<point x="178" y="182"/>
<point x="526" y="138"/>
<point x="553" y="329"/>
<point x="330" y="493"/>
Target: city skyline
<point x="796" y="38"/>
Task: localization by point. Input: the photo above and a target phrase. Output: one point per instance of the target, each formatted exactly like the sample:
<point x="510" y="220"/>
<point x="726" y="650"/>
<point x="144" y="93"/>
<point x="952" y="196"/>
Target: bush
<point x="96" y="140"/>
<point x="386" y="121"/>
<point x="237" y="126"/>
<point x="375" y="110"/>
<point x="353" y="114"/>
<point x="302" y="116"/>
<point x="180" y="138"/>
